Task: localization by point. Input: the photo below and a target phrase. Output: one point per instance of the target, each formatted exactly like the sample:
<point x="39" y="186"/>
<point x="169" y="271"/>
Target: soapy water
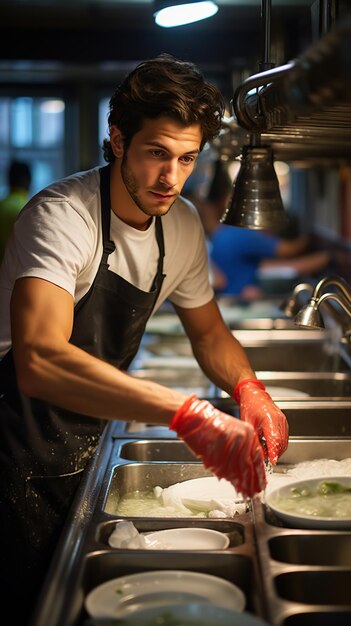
<point x="202" y="497"/>
<point x="146" y="504"/>
<point x="162" y="502"/>
<point x="315" y="504"/>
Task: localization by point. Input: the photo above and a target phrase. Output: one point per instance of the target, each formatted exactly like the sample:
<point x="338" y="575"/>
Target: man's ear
<point x="117" y="142"/>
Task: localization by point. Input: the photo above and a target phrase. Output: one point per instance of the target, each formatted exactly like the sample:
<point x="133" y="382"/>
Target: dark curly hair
<point x="164" y="86"/>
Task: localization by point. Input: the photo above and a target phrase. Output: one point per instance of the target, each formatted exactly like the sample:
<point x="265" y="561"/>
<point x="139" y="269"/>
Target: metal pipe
<point x="337" y="281"/>
<point x="266" y="21"/>
<point x="256" y="122"/>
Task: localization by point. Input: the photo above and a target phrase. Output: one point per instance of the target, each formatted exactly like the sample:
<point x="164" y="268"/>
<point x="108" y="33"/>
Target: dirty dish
<point x="203" y="494"/>
<point x="186" y="539"/>
<point x="123" y="596"/>
<point x="322" y="502"/>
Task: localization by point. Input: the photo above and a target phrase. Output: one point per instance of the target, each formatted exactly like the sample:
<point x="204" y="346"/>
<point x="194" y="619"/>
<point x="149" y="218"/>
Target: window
<point x="32" y="129"/>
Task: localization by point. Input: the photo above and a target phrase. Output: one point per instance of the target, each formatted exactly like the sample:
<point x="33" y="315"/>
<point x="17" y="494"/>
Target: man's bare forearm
<point x="223" y="360"/>
<point x="72" y="379"/>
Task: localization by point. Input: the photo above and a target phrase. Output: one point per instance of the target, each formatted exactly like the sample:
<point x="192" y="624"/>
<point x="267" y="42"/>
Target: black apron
<point x="43" y="448"/>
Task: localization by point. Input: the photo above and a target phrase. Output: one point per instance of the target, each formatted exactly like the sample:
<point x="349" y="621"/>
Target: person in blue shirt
<point x="237" y="254"/>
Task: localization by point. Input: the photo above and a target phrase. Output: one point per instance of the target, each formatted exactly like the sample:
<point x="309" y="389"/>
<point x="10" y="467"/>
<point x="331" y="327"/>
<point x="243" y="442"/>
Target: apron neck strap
<point x="108" y="245"/>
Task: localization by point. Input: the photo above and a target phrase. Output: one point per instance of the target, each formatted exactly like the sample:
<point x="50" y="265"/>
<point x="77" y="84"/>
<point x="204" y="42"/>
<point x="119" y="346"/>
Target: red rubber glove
<point x="258" y="409"/>
<point x="227" y="446"/>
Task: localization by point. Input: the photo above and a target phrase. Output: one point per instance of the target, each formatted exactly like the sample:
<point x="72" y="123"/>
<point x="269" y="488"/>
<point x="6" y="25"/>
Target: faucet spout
<point x="310" y="315"/>
<point x="338" y="282"/>
<point x="291" y="306"/>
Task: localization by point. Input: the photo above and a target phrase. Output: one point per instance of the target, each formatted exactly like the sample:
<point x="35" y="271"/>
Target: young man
<point x="90" y="259"/>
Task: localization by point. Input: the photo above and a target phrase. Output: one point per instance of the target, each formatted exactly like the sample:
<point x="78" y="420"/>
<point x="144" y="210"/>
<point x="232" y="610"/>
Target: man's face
<point x="158" y="161"/>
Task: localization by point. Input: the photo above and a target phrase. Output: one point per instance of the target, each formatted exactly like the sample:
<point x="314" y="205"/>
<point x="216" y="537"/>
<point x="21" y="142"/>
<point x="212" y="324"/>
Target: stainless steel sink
<point x="282" y="385"/>
<point x="311" y="386"/>
<point x="186" y="379"/>
<point x="300" y="449"/>
<point x="236" y="568"/>
<point x="157" y="450"/>
<point x="144" y="477"/>
<point x="179" y="345"/>
<point x="317" y="429"/>
<point x="315" y="587"/>
<point x="318" y="419"/>
<point x="313" y="419"/>
<point x="312" y="549"/>
<point x="298" y="351"/>
<point x="307" y="356"/>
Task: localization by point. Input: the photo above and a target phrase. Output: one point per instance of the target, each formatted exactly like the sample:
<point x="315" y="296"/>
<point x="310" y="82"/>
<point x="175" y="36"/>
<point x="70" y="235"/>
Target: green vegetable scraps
<point x="324" y="488"/>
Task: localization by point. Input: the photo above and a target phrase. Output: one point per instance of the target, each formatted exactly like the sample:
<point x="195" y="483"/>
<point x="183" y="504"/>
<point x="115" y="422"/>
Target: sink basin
<point x="307" y="356"/>
<point x="307" y="385"/>
<point x="319" y="420"/>
<point x="157" y="450"/>
<point x="313" y="419"/>
<point x="315" y="587"/>
<point x="300" y="449"/>
<point x="145" y="476"/>
<point x="317" y="429"/>
<point x="187" y="379"/>
<point x="179" y="345"/>
<point x="308" y="549"/>
<point x="267" y="350"/>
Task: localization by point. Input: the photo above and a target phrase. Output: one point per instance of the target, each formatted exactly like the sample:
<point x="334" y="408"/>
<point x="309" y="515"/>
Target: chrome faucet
<point x="291" y="306"/>
<point x="310" y="316"/>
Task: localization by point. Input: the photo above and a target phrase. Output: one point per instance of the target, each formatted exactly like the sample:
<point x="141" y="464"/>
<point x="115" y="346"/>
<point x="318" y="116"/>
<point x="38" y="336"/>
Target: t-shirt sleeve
<point x="53" y="241"/>
<point x="194" y="289"/>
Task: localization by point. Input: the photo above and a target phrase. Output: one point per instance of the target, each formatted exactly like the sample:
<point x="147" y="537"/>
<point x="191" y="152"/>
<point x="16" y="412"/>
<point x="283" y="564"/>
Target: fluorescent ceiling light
<point x="184" y="13"/>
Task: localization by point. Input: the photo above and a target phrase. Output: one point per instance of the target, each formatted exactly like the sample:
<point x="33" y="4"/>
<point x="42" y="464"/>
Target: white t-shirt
<point x="58" y="237"/>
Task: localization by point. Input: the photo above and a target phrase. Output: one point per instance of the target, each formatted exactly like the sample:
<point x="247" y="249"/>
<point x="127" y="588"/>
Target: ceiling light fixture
<point x="256" y="202"/>
<point x="170" y="13"/>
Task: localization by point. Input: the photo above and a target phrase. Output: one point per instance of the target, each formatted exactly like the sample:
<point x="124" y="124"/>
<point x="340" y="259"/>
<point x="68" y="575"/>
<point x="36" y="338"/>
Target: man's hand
<point x="227" y="446"/>
<point x="258" y="409"/>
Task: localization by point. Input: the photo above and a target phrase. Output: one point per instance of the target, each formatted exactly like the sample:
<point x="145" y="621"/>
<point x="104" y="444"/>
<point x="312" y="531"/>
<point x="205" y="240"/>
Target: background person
<point x="238" y="254"/>
<point x="19" y="180"/>
<point x="91" y="257"/>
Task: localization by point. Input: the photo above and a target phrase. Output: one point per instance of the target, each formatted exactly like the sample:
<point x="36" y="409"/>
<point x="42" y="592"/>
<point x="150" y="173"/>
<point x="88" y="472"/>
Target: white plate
<point x="122" y="596"/>
<point x="203" y="494"/>
<point x="194" y="614"/>
<point x="186" y="539"/>
<point x="303" y="520"/>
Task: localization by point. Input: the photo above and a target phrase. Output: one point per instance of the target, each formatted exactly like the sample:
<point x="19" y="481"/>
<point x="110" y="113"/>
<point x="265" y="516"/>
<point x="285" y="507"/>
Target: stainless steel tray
<point x="306" y="574"/>
<point x="290" y="577"/>
<point x="84" y="558"/>
<point x="316" y="419"/>
<point x="300" y="449"/>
